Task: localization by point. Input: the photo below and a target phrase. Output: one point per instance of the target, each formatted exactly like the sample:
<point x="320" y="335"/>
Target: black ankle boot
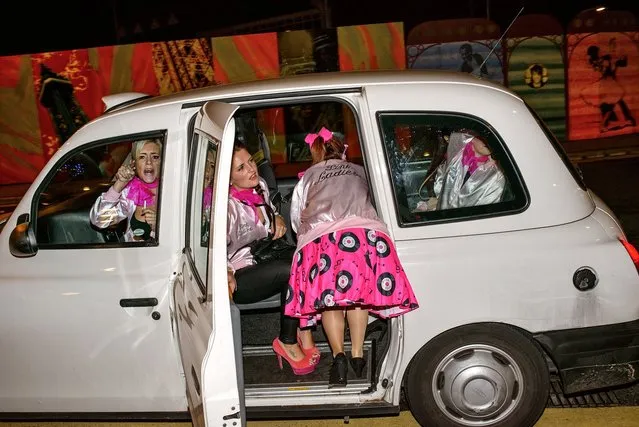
<point x="339" y="371"/>
<point x="358" y="363"/>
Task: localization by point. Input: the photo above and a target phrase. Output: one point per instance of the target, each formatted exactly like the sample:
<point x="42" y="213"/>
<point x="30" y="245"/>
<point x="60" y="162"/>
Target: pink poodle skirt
<point x="351" y="267"/>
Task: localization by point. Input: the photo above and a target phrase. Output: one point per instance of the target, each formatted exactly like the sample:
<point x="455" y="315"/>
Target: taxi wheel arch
<point x="485" y="374"/>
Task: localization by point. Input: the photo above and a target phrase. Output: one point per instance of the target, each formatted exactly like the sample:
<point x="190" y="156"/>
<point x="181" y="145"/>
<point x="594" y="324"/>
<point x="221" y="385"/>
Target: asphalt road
<point x="609" y="417"/>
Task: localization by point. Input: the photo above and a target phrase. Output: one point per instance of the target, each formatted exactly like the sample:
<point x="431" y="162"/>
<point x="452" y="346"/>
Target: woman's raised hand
<point x="122" y="177"/>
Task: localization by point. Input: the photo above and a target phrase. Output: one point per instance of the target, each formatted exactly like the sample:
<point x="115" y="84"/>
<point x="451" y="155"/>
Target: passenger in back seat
<point x="469" y="176"/>
<point x="250" y="220"/>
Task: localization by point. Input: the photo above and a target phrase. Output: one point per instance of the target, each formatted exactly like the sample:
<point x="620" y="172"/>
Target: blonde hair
<point x="137" y="146"/>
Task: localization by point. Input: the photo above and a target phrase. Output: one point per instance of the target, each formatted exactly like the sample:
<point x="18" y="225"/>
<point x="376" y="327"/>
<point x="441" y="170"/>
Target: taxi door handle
<point x="138" y="302"/>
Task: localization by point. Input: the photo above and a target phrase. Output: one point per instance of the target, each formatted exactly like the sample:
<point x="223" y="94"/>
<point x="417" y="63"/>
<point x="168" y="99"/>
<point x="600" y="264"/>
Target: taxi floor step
<point x="261" y="368"/>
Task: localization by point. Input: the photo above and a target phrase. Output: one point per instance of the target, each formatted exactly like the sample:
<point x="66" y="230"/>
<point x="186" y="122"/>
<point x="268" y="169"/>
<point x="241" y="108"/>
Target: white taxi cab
<point x="103" y="323"/>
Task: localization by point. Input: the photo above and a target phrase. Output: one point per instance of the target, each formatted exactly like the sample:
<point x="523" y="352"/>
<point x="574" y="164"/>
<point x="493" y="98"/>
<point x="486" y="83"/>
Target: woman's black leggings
<point x="259" y="282"/>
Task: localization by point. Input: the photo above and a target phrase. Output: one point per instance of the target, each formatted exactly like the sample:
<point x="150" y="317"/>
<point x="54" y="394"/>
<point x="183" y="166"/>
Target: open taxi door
<point x="208" y="322"/>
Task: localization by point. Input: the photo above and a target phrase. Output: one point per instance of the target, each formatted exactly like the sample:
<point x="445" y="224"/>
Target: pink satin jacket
<point x="332" y="195"/>
<point x="243" y="229"/>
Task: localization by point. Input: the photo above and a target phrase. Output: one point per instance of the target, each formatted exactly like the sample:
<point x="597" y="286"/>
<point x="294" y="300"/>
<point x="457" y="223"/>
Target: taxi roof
<point x="313" y="82"/>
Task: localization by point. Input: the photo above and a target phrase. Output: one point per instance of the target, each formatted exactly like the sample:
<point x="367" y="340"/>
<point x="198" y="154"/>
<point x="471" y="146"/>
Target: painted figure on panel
<point x="536" y="76"/>
<point x="615" y="113"/>
<point x="471" y="61"/>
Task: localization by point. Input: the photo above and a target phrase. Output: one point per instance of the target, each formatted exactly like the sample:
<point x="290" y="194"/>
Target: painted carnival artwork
<point x="583" y="81"/>
<point x="303" y="52"/>
<point x="536" y="69"/>
<point x="21" y="148"/>
<point x="371" y="47"/>
<point x="308" y="51"/>
<point x="183" y="64"/>
<point x="468" y="57"/>
<point x="364" y="48"/>
<point x="464" y="45"/>
<point x="58" y="92"/>
<point x="603" y="84"/>
<point x="536" y="72"/>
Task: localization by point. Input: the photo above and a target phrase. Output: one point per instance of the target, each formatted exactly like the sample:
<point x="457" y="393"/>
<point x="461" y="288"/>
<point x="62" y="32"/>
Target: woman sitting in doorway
<point x="252" y="217"/>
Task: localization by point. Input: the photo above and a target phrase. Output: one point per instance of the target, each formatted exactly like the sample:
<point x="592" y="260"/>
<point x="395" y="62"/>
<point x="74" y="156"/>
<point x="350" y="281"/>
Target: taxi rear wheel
<point x="483" y="375"/>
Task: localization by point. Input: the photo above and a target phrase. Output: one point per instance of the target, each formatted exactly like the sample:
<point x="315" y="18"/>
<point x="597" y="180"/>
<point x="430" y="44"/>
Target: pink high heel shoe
<point x="299" y="367"/>
<point x="313" y="352"/>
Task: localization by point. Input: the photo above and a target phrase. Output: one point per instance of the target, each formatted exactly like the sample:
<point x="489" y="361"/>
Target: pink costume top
<point x="112" y="207"/>
<point x="244" y="228"/>
<point x="332" y="195"/>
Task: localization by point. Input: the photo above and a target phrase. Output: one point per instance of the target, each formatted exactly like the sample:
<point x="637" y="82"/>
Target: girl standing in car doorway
<point x="345" y="264"/>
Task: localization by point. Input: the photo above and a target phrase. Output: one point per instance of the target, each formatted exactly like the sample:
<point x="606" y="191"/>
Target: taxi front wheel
<point x="478" y="375"/>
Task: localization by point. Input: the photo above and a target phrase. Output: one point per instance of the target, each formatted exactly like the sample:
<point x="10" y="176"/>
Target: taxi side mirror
<point x="22" y="241"/>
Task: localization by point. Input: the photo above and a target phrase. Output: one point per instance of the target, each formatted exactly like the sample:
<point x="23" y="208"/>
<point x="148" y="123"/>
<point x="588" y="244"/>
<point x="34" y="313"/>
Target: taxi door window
<point x="100" y="194"/>
<point x="201" y="203"/>
<point x="448" y="167"/>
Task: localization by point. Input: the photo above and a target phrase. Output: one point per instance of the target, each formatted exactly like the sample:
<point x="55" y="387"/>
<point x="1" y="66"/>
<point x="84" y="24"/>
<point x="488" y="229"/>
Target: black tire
<point x="524" y="386"/>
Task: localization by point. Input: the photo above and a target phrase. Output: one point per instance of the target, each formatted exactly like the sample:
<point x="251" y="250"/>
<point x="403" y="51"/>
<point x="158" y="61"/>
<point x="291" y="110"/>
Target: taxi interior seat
<point x="271" y="302"/>
<point x="74" y="227"/>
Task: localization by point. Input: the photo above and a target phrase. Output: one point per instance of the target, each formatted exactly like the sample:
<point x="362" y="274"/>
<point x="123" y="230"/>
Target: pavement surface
<point x="594" y="417"/>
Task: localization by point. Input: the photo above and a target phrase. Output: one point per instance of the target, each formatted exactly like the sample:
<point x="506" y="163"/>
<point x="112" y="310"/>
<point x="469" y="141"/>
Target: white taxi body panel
<point x="68" y="346"/>
<point x="525" y="141"/>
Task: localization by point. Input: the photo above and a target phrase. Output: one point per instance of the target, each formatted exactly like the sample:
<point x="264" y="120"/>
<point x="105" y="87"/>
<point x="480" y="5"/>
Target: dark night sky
<point x="67" y="24"/>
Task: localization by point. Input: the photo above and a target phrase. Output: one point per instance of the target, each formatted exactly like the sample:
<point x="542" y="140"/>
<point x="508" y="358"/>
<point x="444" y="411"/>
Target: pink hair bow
<point x="324" y="133"/>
